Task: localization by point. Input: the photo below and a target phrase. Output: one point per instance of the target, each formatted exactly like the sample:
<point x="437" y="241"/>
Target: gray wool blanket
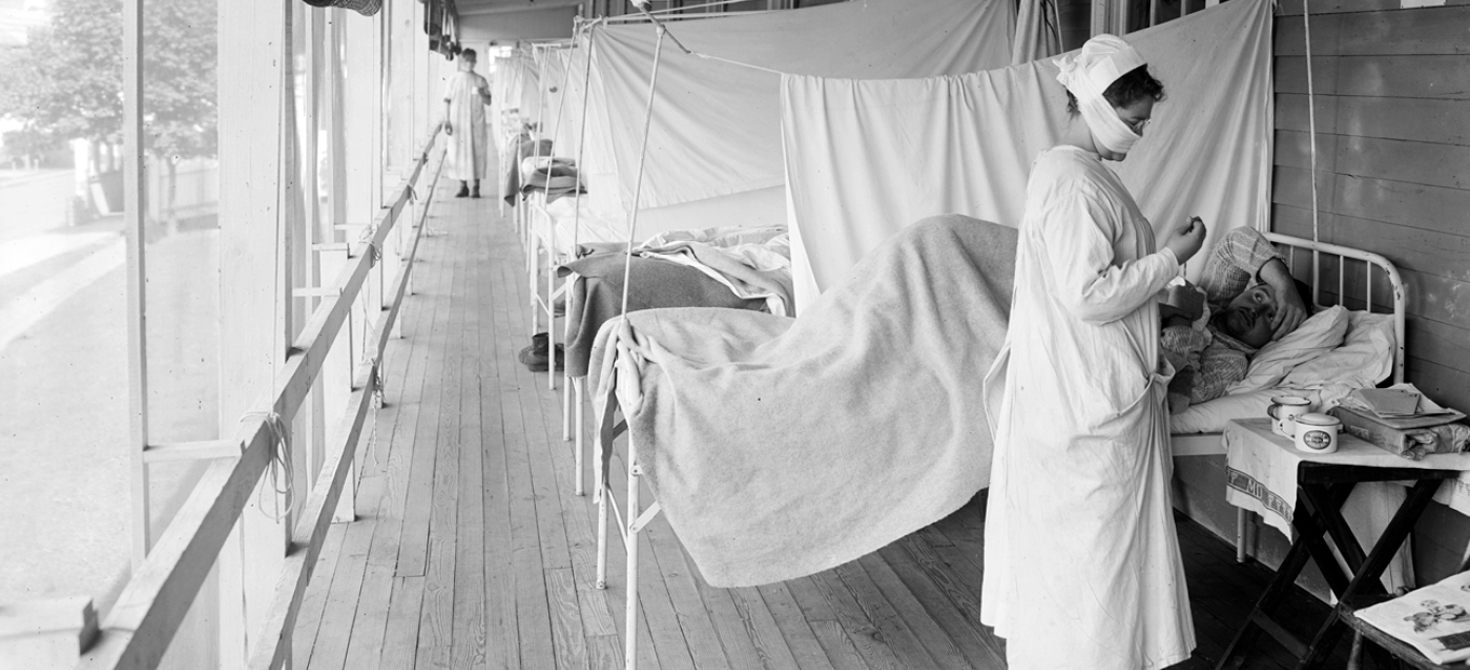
<point x="779" y="448"/>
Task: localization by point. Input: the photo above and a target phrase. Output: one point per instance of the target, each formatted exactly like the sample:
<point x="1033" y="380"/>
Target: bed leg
<point x="578" y="390"/>
<point x="602" y="496"/>
<point x="566" y="390"/>
<point x="551" y="311"/>
<point x="1240" y="533"/>
<point x="566" y="406"/>
<point x="630" y="567"/>
<point x="531" y="282"/>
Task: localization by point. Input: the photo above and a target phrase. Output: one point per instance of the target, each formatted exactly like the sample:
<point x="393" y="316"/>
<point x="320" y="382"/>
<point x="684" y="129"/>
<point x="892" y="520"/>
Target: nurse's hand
<point x="1187" y="239"/>
<point x="448" y="129"/>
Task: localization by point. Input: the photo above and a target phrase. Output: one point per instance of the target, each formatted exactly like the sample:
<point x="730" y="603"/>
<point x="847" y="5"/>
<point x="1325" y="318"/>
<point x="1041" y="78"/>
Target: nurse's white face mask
<point x="1102" y="60"/>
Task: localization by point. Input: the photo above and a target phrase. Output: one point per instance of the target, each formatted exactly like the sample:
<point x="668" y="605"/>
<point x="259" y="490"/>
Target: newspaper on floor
<point x="1435" y="619"/>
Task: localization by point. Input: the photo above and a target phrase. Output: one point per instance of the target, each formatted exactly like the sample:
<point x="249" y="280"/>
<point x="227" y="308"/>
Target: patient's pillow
<point x="1364" y="359"/>
<point x="1318" y="334"/>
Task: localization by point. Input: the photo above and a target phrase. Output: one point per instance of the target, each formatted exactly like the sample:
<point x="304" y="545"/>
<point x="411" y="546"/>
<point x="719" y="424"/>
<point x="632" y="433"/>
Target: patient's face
<point x="1251" y="325"/>
<point x="1258" y="296"/>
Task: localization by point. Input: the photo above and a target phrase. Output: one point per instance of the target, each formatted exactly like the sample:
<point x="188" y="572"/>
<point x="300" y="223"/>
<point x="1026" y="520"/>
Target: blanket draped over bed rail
<point x="779" y="448"/>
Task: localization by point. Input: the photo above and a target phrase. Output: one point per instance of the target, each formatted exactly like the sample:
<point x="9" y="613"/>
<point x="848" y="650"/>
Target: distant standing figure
<point x="465" y="99"/>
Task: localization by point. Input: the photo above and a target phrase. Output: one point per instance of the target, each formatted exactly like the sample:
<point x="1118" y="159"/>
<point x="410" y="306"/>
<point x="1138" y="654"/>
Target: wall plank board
<point x="1294" y="7"/>
<point x="1407" y="76"/>
<point x="1441" y="299"/>
<point x="1392" y="109"/>
<point x="1440" y="539"/>
<point x="1429" y="30"/>
<point x="1414" y="205"/>
<point x="1445" y="385"/>
<point x="1428" y="251"/>
<point x="1417" y="119"/>
<point x="1398" y="160"/>
<point x="1436" y="341"/>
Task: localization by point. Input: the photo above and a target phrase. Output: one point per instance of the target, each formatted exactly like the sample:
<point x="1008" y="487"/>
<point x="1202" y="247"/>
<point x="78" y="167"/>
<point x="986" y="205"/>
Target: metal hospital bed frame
<point x="1321" y="260"/>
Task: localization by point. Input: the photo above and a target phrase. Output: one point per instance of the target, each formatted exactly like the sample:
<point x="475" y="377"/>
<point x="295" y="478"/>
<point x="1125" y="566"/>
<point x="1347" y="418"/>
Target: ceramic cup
<point x="1284" y="410"/>
<point x="1317" y="433"/>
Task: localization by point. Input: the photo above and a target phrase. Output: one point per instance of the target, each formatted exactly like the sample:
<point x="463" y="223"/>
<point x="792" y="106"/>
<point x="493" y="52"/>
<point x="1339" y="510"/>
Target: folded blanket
<point x="750" y="270"/>
<point x="597" y="296"/>
<point x="510" y="166"/>
<point x="779" y="448"/>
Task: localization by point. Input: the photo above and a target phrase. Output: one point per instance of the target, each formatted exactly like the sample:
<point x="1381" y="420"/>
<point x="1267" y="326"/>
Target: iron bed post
<point x="550" y="306"/>
<point x="602" y="494"/>
<point x="580" y="390"/>
<point x="630" y="566"/>
<point x="569" y="381"/>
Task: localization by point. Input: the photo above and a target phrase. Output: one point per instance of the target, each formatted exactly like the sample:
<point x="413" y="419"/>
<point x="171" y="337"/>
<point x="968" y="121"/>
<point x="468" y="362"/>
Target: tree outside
<point x="67" y="85"/>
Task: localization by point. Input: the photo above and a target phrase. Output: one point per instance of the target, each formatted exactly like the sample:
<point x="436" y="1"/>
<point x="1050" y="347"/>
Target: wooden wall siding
<point x="1393" y="176"/>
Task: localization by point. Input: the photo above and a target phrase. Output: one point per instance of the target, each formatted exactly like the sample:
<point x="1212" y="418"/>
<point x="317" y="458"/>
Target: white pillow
<point x="1317" y="335"/>
<point x="1364" y="359"/>
<point x="1210" y="417"/>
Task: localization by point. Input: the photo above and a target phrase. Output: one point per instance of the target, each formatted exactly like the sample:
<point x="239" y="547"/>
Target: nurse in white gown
<point x="1082" y="564"/>
<point x="465" y="98"/>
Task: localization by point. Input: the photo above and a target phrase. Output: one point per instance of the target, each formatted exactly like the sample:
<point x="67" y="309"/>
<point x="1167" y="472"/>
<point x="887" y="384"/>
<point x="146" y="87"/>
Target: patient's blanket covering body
<point x="779" y="448"/>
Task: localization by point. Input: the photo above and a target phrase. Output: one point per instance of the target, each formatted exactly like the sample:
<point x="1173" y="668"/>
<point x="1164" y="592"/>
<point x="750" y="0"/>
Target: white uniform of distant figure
<point x="1082" y="566"/>
<point x="467" y="151"/>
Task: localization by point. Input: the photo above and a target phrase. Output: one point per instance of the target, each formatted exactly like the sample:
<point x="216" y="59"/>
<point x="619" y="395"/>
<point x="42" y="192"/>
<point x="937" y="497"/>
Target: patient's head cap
<point x="1101" y="61"/>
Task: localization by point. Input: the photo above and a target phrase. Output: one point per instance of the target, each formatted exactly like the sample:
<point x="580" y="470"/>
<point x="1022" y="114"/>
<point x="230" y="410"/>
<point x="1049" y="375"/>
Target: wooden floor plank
<point x="469" y="628"/>
<point x="413" y="547"/>
<point x="830" y="633"/>
<point x="314" y="602"/>
<point x="761" y="626"/>
<point x="894" y="631"/>
<point x="683" y="588"/>
<point x="911" y="613"/>
<point x="566" y="622"/>
<point x="436" y="630"/>
<point x="344" y="596"/>
<point x="799" y="636"/>
<point x="861" y="630"/>
<point x="963" y="596"/>
<point x="503" y="634"/>
<point x="538" y="404"/>
<point x="577" y="517"/>
<point x="933" y="596"/>
<point x="386" y="469"/>
<point x="401" y="638"/>
<point x="533" y="617"/>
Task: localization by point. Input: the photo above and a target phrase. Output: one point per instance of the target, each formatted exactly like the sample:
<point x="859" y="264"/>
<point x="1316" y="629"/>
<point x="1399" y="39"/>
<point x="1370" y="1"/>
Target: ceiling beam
<point x="518" y="7"/>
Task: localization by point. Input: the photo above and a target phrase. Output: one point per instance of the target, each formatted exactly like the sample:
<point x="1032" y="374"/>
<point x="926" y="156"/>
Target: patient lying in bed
<point x="1244" y="285"/>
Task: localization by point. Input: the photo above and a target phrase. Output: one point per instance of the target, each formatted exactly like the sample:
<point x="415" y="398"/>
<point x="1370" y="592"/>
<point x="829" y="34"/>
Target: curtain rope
<point x="1312" y="139"/>
<point x="664" y="30"/>
<point x="642" y="161"/>
<point x="280" y="463"/>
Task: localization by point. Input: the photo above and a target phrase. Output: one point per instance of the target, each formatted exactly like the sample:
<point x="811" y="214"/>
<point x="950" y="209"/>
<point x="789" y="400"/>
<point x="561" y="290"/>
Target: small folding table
<point x="1265" y="473"/>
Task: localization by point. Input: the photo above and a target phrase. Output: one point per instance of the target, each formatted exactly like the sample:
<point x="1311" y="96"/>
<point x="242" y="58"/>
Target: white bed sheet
<point x="1364" y="359"/>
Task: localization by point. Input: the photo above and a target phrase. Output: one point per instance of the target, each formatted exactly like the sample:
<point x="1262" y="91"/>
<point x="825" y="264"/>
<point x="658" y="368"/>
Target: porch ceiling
<point x="479" y="7"/>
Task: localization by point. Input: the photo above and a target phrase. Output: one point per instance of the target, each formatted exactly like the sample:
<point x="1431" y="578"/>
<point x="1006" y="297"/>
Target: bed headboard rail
<point x="1348" y="263"/>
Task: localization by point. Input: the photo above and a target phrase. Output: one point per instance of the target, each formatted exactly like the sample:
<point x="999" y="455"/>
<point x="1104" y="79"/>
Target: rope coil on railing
<point x="280" y="464"/>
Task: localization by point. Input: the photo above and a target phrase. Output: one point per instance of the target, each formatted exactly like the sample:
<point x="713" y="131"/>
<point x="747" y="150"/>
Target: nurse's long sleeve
<point x="1079" y="233"/>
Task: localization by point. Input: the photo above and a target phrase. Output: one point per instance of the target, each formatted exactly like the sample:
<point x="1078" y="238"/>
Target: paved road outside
<point x="64" y="460"/>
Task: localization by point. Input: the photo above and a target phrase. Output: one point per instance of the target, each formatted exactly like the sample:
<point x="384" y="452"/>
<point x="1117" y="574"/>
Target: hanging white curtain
<point x="865" y="158"/>
<point x="1038" y="31"/>
<point x="715" y="128"/>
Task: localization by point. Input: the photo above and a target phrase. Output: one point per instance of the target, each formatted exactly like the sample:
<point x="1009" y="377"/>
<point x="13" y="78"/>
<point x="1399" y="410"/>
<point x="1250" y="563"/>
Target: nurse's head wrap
<point x="1087" y="74"/>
